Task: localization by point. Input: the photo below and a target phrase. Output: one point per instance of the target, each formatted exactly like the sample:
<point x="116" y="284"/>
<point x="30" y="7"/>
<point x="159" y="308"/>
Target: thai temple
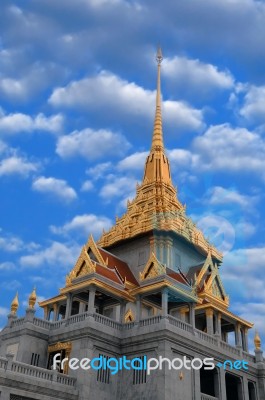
<point x="149" y="288"/>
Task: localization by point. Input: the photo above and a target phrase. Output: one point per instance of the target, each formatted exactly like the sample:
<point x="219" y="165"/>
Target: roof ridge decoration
<point x="156" y="205"/>
<point x="152" y="269"/>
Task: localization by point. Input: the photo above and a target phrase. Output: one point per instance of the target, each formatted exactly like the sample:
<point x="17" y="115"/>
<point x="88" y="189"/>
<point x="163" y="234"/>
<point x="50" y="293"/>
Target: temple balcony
<point x="30" y="378"/>
<point x="124" y="331"/>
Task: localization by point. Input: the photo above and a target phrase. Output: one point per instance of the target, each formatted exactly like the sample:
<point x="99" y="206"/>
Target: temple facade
<point x="149" y="287"/>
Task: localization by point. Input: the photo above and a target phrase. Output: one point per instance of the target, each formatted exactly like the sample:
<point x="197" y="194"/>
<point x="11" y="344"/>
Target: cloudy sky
<point x="77" y="96"/>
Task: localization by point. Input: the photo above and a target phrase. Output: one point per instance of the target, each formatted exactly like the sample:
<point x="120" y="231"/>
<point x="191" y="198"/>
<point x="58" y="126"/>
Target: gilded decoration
<point x="129" y="316"/>
<point x="156" y="205"/>
<point x="58" y="347"/>
<point x="83" y="266"/>
<point x="14" y="305"/>
<point x="152" y="269"/>
<point x="210" y="281"/>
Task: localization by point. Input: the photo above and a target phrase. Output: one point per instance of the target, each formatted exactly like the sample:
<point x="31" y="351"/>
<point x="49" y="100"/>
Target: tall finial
<point x="257" y="341"/>
<point x="159" y="56"/>
<point x="14" y="305"/>
<point x="32" y="298"/>
<point x="157" y="142"/>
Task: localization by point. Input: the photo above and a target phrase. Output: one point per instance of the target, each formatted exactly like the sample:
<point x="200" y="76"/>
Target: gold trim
<point x="129" y="316"/>
<point x="152" y="269"/>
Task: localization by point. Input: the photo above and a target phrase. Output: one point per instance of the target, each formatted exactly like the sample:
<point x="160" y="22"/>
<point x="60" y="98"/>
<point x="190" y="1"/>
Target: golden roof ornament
<point x="156" y="205"/>
<point x="257" y="341"/>
<point x="14" y="305"/>
<point x="32" y="298"/>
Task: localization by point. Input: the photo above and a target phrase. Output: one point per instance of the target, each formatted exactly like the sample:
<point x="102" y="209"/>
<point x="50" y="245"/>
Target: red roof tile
<point x="122" y="266"/>
<point x="108" y="273"/>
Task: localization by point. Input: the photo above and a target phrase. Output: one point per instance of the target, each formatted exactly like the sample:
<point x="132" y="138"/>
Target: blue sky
<point x="77" y="100"/>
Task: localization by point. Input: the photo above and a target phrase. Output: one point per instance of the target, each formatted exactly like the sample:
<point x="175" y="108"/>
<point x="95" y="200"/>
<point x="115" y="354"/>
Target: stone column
<point x="10" y="358"/>
<point x="238" y="336"/>
<point x="138" y="308"/>
<point x="122" y="311"/>
<point x="209" y="321"/>
<point x="218" y="328"/>
<point x="225" y="337"/>
<point x="222" y="395"/>
<point x="245" y="388"/>
<point x="46" y="313"/>
<point x="245" y="339"/>
<point x="192" y="315"/>
<point x="11" y="317"/>
<point x="91" y="299"/>
<point x="165" y="302"/>
<point x="82" y="307"/>
<point x="30" y="312"/>
<point x="5" y="394"/>
<point x="55" y="312"/>
<point x="68" y="305"/>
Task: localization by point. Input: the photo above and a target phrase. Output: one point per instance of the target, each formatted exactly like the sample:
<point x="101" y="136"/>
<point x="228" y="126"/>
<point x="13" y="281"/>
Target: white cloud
<point x="220" y="195"/>
<point x="4" y="311"/>
<point x="84" y="224"/>
<point x="57" y="254"/>
<point x="92" y="144"/>
<point x="196" y="75"/>
<point x="118" y="187"/>
<point x="253" y="106"/>
<point x="87" y="186"/>
<point x="17" y="165"/>
<point x="56" y="187"/>
<point x="99" y="170"/>
<point x="180" y="157"/>
<point x="134" y="162"/>
<point x="114" y="95"/>
<point x="7" y="266"/>
<point x="245" y="267"/>
<point x="10" y="244"/>
<point x="225" y="148"/>
<point x="3" y="146"/>
<point x="18" y="122"/>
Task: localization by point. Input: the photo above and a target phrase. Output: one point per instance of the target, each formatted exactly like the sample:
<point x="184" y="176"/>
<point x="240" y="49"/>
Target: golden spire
<point x="14" y="305"/>
<point x="157" y="167"/>
<point x="257" y="341"/>
<point x="157" y="142"/>
<point x="32" y="298"/>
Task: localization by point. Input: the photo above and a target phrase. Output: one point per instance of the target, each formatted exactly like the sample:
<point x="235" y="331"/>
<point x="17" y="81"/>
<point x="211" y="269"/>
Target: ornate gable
<point x="152" y="269"/>
<point x="210" y="281"/>
<point x="83" y="266"/>
<point x="92" y="247"/>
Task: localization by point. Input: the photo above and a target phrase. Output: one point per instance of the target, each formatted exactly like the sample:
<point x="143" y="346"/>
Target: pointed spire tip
<point x="159" y="55"/>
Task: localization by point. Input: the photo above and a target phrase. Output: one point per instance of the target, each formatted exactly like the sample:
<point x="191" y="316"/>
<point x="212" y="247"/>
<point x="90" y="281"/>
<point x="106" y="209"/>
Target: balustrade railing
<point x="248" y="357"/>
<point x="180" y="324"/>
<point x="150" y="320"/>
<point x="206" y="337"/>
<point x="208" y="397"/>
<point x="107" y="321"/>
<point x="3" y="363"/>
<point x="37" y="372"/>
<point x="101" y="319"/>
<point x="42" y="323"/>
<point x="228" y="347"/>
<point x="17" y="322"/>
